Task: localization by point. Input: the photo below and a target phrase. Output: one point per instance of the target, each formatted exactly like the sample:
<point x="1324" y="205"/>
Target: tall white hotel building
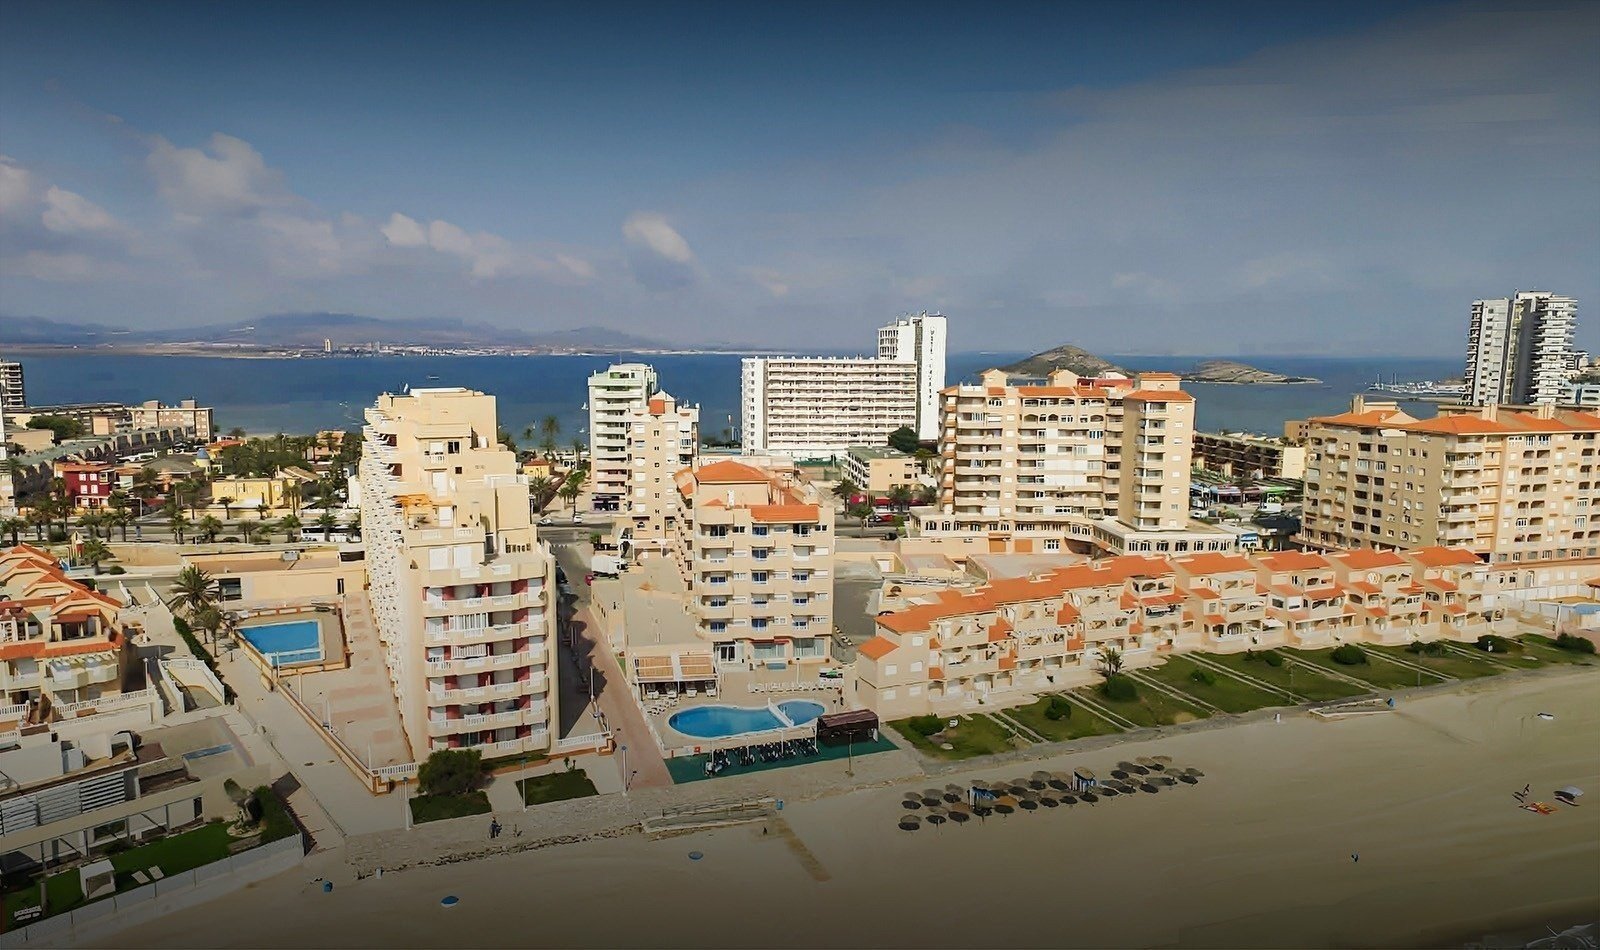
<point x="818" y="406"/>
<point x="1519" y="349"/>
<point x="462" y="589"/>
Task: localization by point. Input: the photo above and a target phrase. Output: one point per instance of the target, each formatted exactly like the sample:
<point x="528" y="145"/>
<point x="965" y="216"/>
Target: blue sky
<point x="1244" y="177"/>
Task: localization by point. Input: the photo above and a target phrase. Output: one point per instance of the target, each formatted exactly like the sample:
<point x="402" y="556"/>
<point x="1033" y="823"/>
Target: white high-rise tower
<point x="1519" y="348"/>
<point x="920" y="339"/>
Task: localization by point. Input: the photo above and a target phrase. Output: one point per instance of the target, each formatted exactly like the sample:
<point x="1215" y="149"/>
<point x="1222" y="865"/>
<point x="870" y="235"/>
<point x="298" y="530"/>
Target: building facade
<point x="462" y="589"/>
<point x="613" y="393"/>
<point x="920" y="339"/>
<point x="87" y="484"/>
<point x="13" y="388"/>
<point x="816" y="407"/>
<point x="1047" y="631"/>
<point x="1240" y="454"/>
<point x="1510" y="485"/>
<point x="187" y="414"/>
<point x="663" y="438"/>
<point x="755" y="550"/>
<point x="62" y="645"/>
<point x="876" y="470"/>
<point x="1519" y="348"/>
<point x="1074" y="464"/>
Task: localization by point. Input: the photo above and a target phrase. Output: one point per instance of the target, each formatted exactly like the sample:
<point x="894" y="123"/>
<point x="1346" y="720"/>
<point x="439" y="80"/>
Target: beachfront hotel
<point x="816" y="407"/>
<point x="1513" y="485"/>
<point x="462" y="589"/>
<point x="754" y="549"/>
<point x="1519" y="348"/>
<point x="614" y="393"/>
<point x="662" y="439"/>
<point x="1237" y="454"/>
<point x="1089" y="465"/>
<point x="1047" y="630"/>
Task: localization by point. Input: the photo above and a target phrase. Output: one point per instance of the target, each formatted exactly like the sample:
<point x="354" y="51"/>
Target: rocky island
<point x="1084" y="363"/>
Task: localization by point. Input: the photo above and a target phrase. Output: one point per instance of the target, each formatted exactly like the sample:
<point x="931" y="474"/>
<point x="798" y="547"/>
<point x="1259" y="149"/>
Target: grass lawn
<point x="174" y="854"/>
<point x="1150" y="709"/>
<point x="1545" y="649"/>
<point x="425" y="808"/>
<point x="1313" y="686"/>
<point x="1450" y="664"/>
<point x="1080" y="724"/>
<point x="974" y="735"/>
<point x="1377" y="671"/>
<point x="1229" y="695"/>
<point x="66" y="892"/>
<point x="557" y="787"/>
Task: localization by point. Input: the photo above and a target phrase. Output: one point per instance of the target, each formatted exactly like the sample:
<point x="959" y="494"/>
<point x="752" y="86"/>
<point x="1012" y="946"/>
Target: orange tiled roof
<point x="1371" y="417"/>
<point x="1293" y="561"/>
<point x="1365" y="559"/>
<point x="877" y="648"/>
<point x="1157" y="395"/>
<point x="1213" y="563"/>
<point x="727" y="472"/>
<point x="1442" y="556"/>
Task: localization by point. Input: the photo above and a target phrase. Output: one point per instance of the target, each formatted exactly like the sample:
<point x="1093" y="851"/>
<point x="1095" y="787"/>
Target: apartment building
<point x="663" y="438"/>
<point x="1519" y="348"/>
<point x="62" y="647"/>
<point x="187" y="414"/>
<point x="755" y="550"/>
<point x="1581" y="395"/>
<point x="876" y="470"/>
<point x="817" y="407"/>
<point x="462" y="589"/>
<point x="87" y="484"/>
<point x="614" y="392"/>
<point x="13" y="390"/>
<point x="1511" y="485"/>
<point x="1241" y="454"/>
<point x="1011" y="638"/>
<point x="1074" y="464"/>
<point x="920" y="339"/>
<point x="8" y="487"/>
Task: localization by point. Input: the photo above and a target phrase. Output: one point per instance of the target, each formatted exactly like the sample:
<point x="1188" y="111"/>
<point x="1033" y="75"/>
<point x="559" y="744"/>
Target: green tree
<point x="292" y="494"/>
<point x="209" y="619"/>
<point x="858" y="510"/>
<point x="540" y="488"/>
<point x="95" y="551"/>
<point x="451" y="772"/>
<point x="927" y="495"/>
<point x="12" y="526"/>
<point x="506" y="440"/>
<point x="120" y="518"/>
<point x="38" y="517"/>
<point x="63" y="427"/>
<point x="193" y="589"/>
<point x="290" y="526"/>
<point x="177" y="522"/>
<point x="846" y="489"/>
<point x="91" y="521"/>
<point x="226" y="501"/>
<point x="900" y="497"/>
<point x="327" y="522"/>
<point x="248" y="529"/>
<point x="549" y="432"/>
<point x="209" y="526"/>
<point x="236" y="433"/>
<point x="1110" y="662"/>
<point x="572" y="487"/>
<point x="904" y="439"/>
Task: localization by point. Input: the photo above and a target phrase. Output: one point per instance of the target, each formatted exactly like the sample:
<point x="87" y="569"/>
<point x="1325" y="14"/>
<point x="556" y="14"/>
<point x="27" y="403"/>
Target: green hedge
<point x="1489" y="643"/>
<point x="1120" y="688"/>
<point x="925" y="725"/>
<point x="1058" y="708"/>
<point x="1567" y="641"/>
<point x="1349" y="655"/>
<point x="198" y="649"/>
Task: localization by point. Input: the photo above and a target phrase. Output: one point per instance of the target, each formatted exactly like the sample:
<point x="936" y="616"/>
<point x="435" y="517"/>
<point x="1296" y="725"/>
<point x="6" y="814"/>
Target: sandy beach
<point x="1257" y="854"/>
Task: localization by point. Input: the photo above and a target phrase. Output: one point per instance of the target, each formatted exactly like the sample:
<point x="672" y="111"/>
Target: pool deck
<point x="330" y="630"/>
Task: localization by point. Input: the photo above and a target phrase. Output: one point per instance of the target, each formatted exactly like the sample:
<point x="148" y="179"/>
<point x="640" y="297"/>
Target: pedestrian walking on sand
<point x="1355" y="857"/>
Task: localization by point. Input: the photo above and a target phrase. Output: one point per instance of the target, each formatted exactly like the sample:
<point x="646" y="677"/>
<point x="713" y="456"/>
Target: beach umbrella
<point x="960" y="814"/>
<point x="932" y="797"/>
<point x="1106" y="791"/>
<point x="954" y="793"/>
<point x="912" y="796"/>
<point x="1118" y="774"/>
<point x="909" y="823"/>
<point x="1090" y="797"/>
<point x="1189" y="780"/>
<point x="1060" y="784"/>
<point x="936" y="816"/>
<point x="1005" y="804"/>
<point x="1049" y="801"/>
<point x="1144" y="760"/>
<point x="1147" y="787"/>
<point x="1069" y="800"/>
<point x="1083" y="775"/>
<point x="911" y="804"/>
<point x="1195" y="772"/>
<point x="1019" y="789"/>
<point x="1041" y="775"/>
<point x="1164" y="780"/>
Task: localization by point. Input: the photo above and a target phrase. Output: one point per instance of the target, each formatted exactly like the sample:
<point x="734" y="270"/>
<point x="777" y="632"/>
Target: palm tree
<point x="177" y="522"/>
<point x="38" y="517"/>
<point x="60" y="501"/>
<point x="1110" y="662"/>
<point x="354" y="527"/>
<point x="94" y="551"/>
<point x="192" y="590"/>
<point x="210" y="527"/>
<point x="145" y="486"/>
<point x="527" y="434"/>
<point x="569" y="491"/>
<point x="191" y="490"/>
<point x="550" y="430"/>
<point x="121" y="518"/>
<point x="577" y="450"/>
<point x="209" y="619"/>
<point x="290" y="526"/>
<point x="505" y="439"/>
<point x="91" y="521"/>
<point x="927" y="495"/>
<point x="226" y="501"/>
<point x="900" y="497"/>
<point x="236" y="433"/>
<point x="327" y="522"/>
<point x="291" y="494"/>
<point x="540" y="488"/>
<point x="13" y="527"/>
<point x="248" y="528"/>
<point x="846" y="489"/>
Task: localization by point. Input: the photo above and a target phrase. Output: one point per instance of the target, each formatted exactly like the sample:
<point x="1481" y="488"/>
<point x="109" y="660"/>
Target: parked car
<point x="546" y="521"/>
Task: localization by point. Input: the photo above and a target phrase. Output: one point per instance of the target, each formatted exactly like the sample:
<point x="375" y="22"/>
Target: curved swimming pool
<point x="719" y="722"/>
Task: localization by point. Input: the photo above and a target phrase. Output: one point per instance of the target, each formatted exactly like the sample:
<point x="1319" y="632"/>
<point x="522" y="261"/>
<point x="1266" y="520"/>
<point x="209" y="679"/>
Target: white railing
<point x="119" y="701"/>
<point x="191" y="665"/>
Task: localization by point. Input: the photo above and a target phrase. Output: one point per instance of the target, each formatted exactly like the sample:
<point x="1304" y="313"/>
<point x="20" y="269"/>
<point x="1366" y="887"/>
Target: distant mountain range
<point x="1084" y="363"/>
<point x="308" y="330"/>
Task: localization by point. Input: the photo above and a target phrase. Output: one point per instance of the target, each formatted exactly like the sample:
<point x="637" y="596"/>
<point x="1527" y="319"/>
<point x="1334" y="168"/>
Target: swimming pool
<point x="283" y="644"/>
<point x="717" y="722"/>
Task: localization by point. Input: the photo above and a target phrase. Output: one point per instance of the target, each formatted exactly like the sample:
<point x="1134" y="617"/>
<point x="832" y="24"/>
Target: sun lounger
<point x="139" y="877"/>
<point x="157" y="874"/>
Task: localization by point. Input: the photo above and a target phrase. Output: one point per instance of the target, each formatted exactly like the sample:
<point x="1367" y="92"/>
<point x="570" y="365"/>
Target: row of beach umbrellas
<point x="956" y="804"/>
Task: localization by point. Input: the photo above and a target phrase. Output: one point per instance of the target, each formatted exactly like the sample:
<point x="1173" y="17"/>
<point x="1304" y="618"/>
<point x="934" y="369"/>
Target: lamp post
<point x="624" y="771"/>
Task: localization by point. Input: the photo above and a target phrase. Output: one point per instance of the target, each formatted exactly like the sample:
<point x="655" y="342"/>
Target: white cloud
<point x="228" y="177"/>
<point x="770" y="280"/>
<point x="69" y="267"/>
<point x="16" y="186"/>
<point x="576" y="266"/>
<point x="67" y="212"/>
<point x="644" y="229"/>
<point x="404" y="232"/>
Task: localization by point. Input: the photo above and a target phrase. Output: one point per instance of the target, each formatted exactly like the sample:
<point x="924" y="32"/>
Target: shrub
<point x="1567" y="641"/>
<point x="89" y="582"/>
<point x="56" y="536"/>
<point x="1057" y="708"/>
<point x="1120" y="688"/>
<point x="274" y="817"/>
<point x="1272" y="658"/>
<point x="1430" y="648"/>
<point x="451" y="772"/>
<point x="1349" y="655"/>
<point x="1489" y="643"/>
<point x="116" y="569"/>
<point x="1203" y="677"/>
<point x="925" y="725"/>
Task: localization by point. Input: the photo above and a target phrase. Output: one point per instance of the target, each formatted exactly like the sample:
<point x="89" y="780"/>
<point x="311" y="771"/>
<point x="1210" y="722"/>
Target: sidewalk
<point x="617" y="709"/>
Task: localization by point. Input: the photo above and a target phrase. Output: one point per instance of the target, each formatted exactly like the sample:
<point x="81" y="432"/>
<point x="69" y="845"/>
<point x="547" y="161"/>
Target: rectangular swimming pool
<point x="285" y="644"/>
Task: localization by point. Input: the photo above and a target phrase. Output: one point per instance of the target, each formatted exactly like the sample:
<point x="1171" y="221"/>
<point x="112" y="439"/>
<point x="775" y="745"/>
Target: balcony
<point x="484" y="664"/>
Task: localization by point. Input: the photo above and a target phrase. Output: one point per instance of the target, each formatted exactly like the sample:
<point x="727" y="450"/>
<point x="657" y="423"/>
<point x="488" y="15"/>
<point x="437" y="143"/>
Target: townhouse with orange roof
<point x="1004" y="641"/>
